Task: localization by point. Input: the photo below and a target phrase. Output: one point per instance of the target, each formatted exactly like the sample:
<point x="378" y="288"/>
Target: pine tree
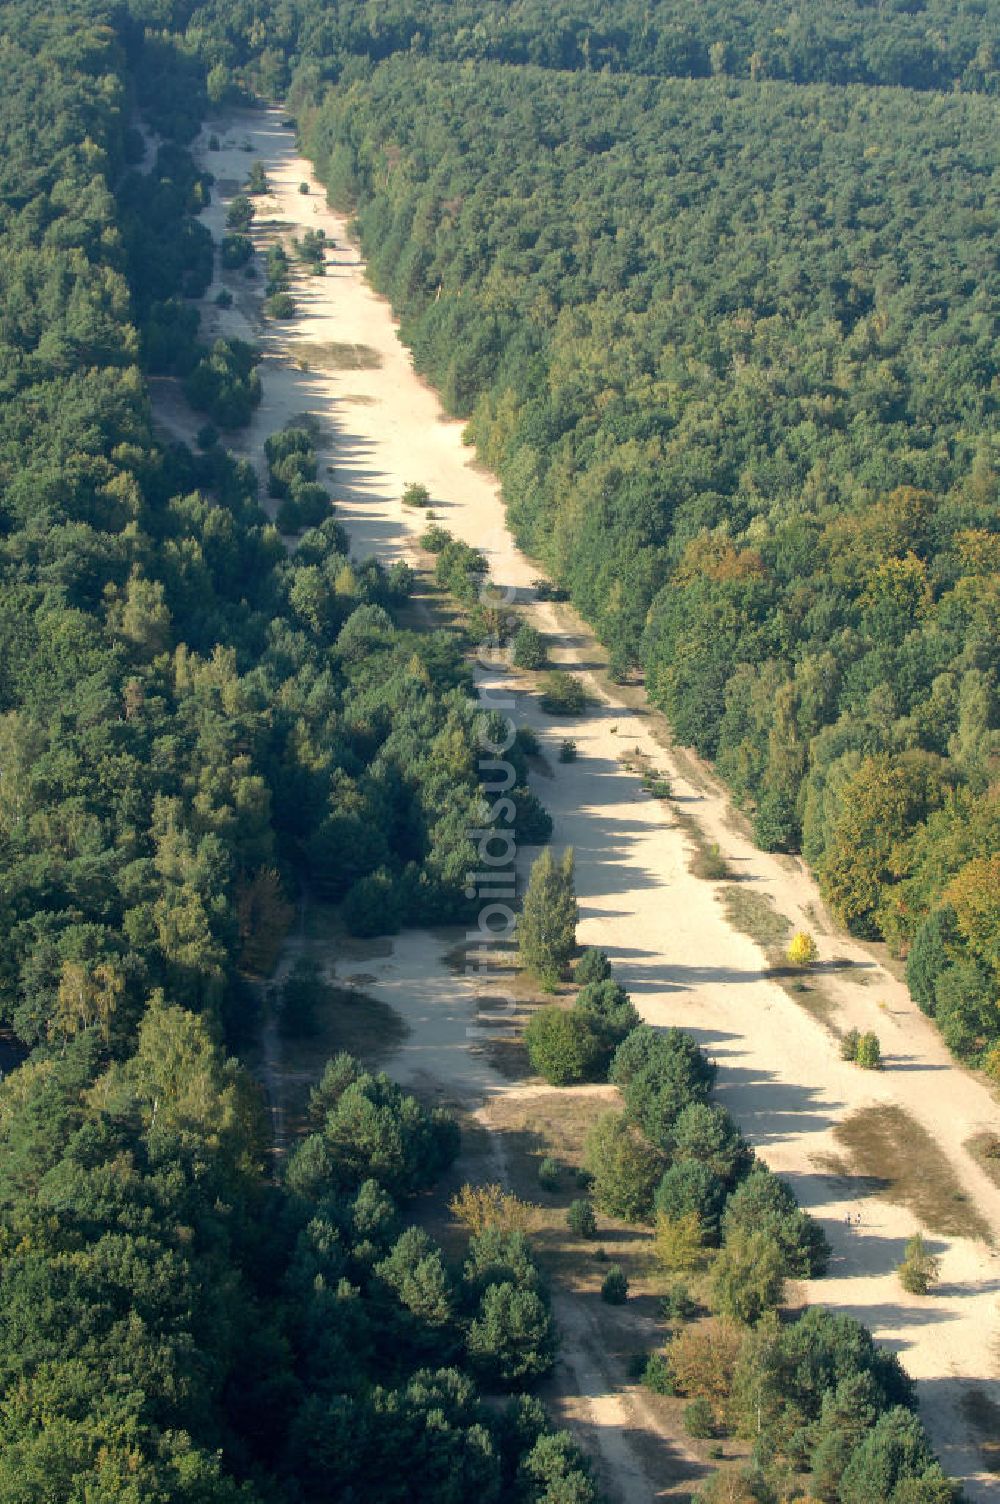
<point x="547" y="926"/>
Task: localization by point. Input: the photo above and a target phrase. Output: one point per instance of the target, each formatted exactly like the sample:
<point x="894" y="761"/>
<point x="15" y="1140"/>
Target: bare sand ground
<point x="669" y="940"/>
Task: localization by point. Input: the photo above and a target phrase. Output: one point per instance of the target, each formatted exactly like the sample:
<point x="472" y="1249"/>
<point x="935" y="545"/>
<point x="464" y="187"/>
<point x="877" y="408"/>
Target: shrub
<point x="869" y="1055"/>
<point x="281" y="305"/>
<point x="416" y="495"/>
<point x="562" y="1046"/>
<point x="223" y="298"/>
<point x="580" y="1218"/>
<point x="207" y="435"/>
<point x="567" y="751"/>
<point x="849" y="1044"/>
<point x="656" y="1375"/>
<point x="625" y="1168"/>
<point x="614" y="1286"/>
<point x="240" y="213"/>
<point x="678" y="1304"/>
<point x="919" y="1269"/>
<point x="548" y="1174"/>
<point x="710" y="864"/>
<point x="593" y="966"/>
<point x="699" y="1420"/>
<point x="435" y="538"/>
<point x="563" y="694"/>
<point x="802" y="950"/>
<point x="528" y="648"/>
<point x="235" y="251"/>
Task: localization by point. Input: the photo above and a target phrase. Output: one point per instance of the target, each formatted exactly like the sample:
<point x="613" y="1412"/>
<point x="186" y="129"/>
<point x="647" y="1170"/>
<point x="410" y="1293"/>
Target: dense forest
<point x="780" y="447"/>
<point x="191" y="720"/>
<point x="919" y="44"/>
<point x="732" y="349"/>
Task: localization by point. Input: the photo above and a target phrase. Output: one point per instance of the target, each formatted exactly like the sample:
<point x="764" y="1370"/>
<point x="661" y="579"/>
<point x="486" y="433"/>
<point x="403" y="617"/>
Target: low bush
<point x="699" y="1420"/>
<point x="548" y="1174"/>
<point x="614" y="1286"/>
<point x="580" y="1218"/>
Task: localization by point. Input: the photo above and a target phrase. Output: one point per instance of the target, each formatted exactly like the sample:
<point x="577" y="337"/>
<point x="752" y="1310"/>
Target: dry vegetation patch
<point x="900" y="1161"/>
<point x="985" y="1148"/>
<point x="754" y="914"/>
<point x="335" y="355"/>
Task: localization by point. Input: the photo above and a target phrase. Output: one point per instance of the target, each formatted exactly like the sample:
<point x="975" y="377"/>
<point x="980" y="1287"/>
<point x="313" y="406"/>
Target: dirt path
<point x="668" y="937"/>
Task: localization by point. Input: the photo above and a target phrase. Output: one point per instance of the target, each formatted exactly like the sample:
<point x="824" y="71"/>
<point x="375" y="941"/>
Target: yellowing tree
<point x="86" y="996"/>
<point x="678" y="1244"/>
<point x="479" y="1207"/>
<point x="975" y="896"/>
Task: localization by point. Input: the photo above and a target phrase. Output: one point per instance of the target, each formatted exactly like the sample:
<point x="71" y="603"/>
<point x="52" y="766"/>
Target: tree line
<point x="914" y="44"/>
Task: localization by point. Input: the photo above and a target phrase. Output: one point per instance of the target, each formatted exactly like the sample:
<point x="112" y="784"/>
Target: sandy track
<point x="664" y="929"/>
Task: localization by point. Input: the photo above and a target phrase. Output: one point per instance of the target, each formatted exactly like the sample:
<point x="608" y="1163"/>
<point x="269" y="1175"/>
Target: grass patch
<point x="983" y="1417"/>
<point x="336" y="355"/>
<point x="706" y="860"/>
<point x="885" y="1143"/>
<point x="754" y="914"/>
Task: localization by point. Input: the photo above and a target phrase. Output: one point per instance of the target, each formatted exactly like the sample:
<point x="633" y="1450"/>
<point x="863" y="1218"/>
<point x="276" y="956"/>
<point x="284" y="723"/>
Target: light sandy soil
<point x="670" y="943"/>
